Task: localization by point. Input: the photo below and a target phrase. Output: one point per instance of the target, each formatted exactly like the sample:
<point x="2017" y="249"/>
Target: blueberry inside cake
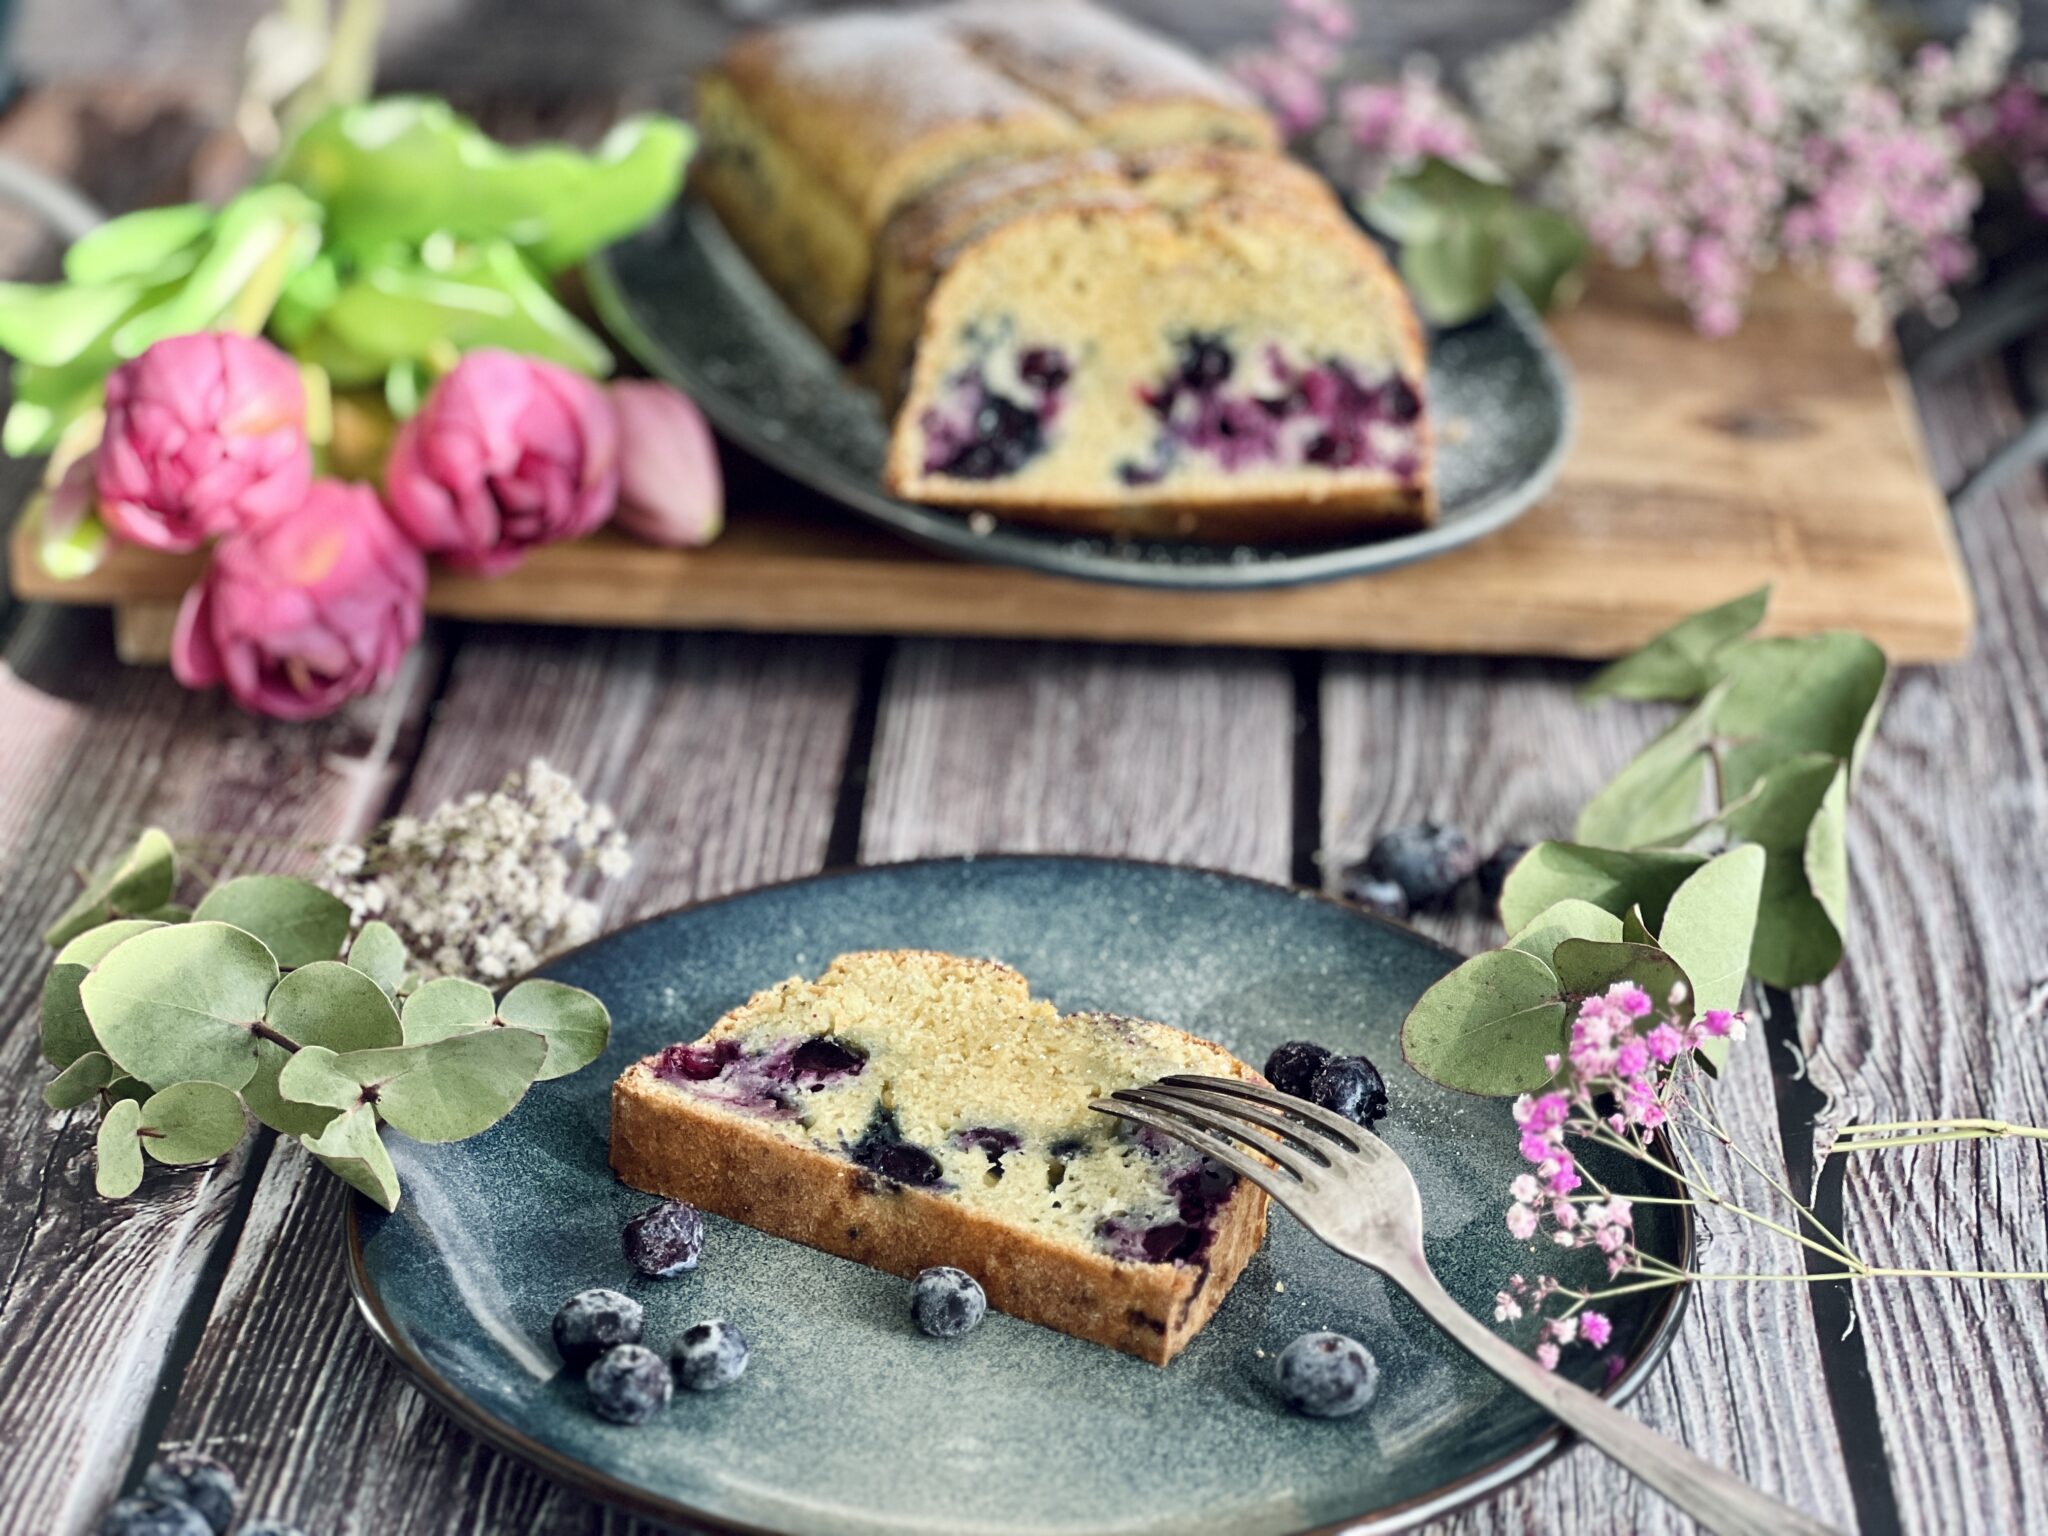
<point x="910" y="1109"/>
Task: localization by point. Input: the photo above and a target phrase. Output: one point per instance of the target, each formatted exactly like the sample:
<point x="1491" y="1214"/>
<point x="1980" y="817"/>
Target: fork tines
<point x="1298" y="1142"/>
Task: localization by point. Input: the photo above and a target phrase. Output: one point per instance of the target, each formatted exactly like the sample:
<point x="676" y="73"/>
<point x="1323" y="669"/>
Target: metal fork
<point x="1353" y="1191"/>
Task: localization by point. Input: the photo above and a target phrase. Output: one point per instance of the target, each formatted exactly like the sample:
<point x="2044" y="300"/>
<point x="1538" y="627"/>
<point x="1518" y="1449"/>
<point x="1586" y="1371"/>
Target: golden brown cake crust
<point x="667" y="1142"/>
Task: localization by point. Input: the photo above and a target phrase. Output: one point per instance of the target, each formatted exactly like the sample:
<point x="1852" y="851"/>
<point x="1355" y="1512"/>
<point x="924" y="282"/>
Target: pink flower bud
<point x="506" y="454"/>
<point x="205" y="434"/>
<point x="303" y="612"/>
<point x="670" y="488"/>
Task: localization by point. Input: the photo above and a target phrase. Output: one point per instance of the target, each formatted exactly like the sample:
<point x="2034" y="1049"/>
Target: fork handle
<point x="1717" y="1499"/>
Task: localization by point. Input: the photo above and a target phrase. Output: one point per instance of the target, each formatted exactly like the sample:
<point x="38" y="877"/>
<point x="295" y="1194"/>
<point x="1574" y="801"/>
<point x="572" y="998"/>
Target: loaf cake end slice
<point x="909" y="1109"/>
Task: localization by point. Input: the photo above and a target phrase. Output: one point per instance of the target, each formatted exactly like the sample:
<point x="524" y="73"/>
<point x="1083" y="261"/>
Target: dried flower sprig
<point x="1628" y="1082"/>
<point x="488" y="884"/>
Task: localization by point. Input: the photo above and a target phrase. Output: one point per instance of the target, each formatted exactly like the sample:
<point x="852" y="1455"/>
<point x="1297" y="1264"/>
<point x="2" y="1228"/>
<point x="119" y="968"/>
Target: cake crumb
<point x="982" y="523"/>
<point x="1280" y="1286"/>
<point x="1259" y="1352"/>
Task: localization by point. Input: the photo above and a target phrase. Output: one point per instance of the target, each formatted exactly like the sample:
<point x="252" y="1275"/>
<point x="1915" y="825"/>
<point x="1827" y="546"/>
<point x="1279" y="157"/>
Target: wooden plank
<point x="92" y="1291"/>
<point x="1037" y="748"/>
<point x="1939" y="1011"/>
<point x="1505" y="752"/>
<point x="723" y="758"/>
<point x="1782" y="454"/>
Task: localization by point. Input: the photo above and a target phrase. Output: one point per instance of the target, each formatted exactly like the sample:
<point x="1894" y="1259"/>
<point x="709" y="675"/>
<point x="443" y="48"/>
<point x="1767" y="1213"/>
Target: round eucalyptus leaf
<point x="1612" y="878"/>
<point x="269" y="1105"/>
<point x="118" y="1155"/>
<point x="67" y="1033"/>
<point x="192" y="1123"/>
<point x="299" y="922"/>
<point x="353" y="1151"/>
<point x="1710" y="923"/>
<point x="80" y="1081"/>
<point x="1487" y="1026"/>
<point x="170" y="912"/>
<point x="447" y="1006"/>
<point x="139" y="879"/>
<point x="1683" y="662"/>
<point x="576" y="1026"/>
<point x="379" y="953"/>
<point x="176" y="1003"/>
<point x="125" y="1087"/>
<point x="1567" y="919"/>
<point x="447" y="1090"/>
<point x="1586" y="968"/>
<point x="315" y="1076"/>
<point x="335" y="1005"/>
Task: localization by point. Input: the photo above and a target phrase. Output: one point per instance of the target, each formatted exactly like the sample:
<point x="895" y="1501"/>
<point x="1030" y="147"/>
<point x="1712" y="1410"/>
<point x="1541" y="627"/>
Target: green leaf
<point x="353" y="1151"/>
<point x="576" y="1026"/>
<point x="1787" y="698"/>
<point x="334" y="1005"/>
<point x="138" y="880"/>
<point x="1487" y="1026"/>
<point x="1567" y="919"/>
<point x="1455" y="275"/>
<point x="1660" y="796"/>
<point x="52" y="323"/>
<point x="1586" y="968"/>
<point x="314" y="1076"/>
<point x="192" y="1123"/>
<point x="268" y="1103"/>
<point x="1611" y="879"/>
<point x="1634" y="930"/>
<point x="67" y="1033"/>
<point x="400" y="169"/>
<point x="379" y="953"/>
<point x="259" y="239"/>
<point x="1827" y="852"/>
<point x="1545" y="253"/>
<point x="446" y="1006"/>
<point x="1711" y="922"/>
<point x="119" y="1156"/>
<point x="80" y="1081"/>
<point x="138" y="244"/>
<point x="1797" y="941"/>
<point x="178" y="1002"/>
<point x="446" y="1091"/>
<point x="1684" y="661"/>
<point x="299" y="922"/>
<point x="169" y="912"/>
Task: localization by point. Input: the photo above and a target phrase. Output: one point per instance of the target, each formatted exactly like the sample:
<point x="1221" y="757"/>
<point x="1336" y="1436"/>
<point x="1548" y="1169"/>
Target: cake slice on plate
<point x="1199" y="344"/>
<point x="910" y="1109"/>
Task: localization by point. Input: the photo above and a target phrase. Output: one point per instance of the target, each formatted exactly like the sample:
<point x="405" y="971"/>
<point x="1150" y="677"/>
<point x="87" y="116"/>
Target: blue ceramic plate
<point x="849" y="1422"/>
<point x="686" y="303"/>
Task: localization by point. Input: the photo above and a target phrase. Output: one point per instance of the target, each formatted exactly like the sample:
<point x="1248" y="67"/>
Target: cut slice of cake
<point x="1211" y="350"/>
<point x="910" y="1109"/>
<point x="815" y="132"/>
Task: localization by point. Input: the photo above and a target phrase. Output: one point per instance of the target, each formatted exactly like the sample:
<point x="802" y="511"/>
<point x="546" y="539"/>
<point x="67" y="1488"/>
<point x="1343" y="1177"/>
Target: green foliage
<point x="1462" y="236"/>
<point x="180" y="1030"/>
<point x="1717" y="854"/>
<point x="296" y="920"/>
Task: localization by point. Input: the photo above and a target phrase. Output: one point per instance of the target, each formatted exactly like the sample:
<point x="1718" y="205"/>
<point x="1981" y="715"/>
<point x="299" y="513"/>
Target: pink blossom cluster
<point x="1398" y="124"/>
<point x="1292" y="74"/>
<point x="1614" y="1081"/>
<point x="2012" y="125"/>
<point x="314" y="588"/>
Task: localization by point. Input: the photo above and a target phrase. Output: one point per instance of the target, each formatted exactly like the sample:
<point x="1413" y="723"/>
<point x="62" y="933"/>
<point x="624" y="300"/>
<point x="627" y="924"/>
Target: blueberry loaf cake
<point x="816" y="132"/>
<point x="911" y="1109"/>
<point x="1215" y="351"/>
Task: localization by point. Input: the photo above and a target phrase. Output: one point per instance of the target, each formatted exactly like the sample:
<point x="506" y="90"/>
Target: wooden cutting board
<point x="1786" y="454"/>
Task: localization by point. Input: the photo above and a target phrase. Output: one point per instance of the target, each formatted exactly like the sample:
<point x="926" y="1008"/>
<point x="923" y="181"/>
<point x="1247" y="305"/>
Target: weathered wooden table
<point x="211" y="1311"/>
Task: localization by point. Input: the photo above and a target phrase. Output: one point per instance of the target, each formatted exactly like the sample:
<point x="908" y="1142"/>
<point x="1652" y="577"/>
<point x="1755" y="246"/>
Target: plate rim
<point x="1474" y="1486"/>
<point x="949" y="532"/>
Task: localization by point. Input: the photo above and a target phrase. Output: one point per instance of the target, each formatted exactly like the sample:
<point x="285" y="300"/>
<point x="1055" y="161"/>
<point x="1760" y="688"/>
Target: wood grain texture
<point x="1940" y="1009"/>
<point x="92" y="1290"/>
<point x="723" y="757"/>
<point x="1046" y="748"/>
<point x="1784" y="453"/>
<point x="1505" y="751"/>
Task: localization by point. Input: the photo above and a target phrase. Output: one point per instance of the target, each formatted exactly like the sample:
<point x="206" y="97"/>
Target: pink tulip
<point x="507" y="453"/>
<point x="670" y="488"/>
<point x="205" y="435"/>
<point x="306" y="611"/>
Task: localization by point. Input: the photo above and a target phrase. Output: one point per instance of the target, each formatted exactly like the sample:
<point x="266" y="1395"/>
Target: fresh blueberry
<point x="150" y="1516"/>
<point x="195" y="1479"/>
<point x="664" y="1240"/>
<point x="1429" y="862"/>
<point x="1352" y="1087"/>
<point x="709" y="1356"/>
<point x="628" y="1384"/>
<point x="1292" y="1066"/>
<point x="1326" y="1375"/>
<point x="1493" y="874"/>
<point x="593" y="1321"/>
<point x="947" y="1302"/>
<point x="1382" y="897"/>
<point x="824" y="1057"/>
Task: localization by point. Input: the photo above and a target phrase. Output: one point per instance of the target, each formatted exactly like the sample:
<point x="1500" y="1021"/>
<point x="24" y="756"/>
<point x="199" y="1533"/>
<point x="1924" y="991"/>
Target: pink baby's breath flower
<point x="1521" y="1222"/>
<point x="1564" y="1330"/>
<point x="1546" y="1355"/>
<point x="1595" y="1328"/>
<point x="1523" y="1188"/>
<point x="1630" y="999"/>
<point x="1666" y="1042"/>
<point x="1506" y="1309"/>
